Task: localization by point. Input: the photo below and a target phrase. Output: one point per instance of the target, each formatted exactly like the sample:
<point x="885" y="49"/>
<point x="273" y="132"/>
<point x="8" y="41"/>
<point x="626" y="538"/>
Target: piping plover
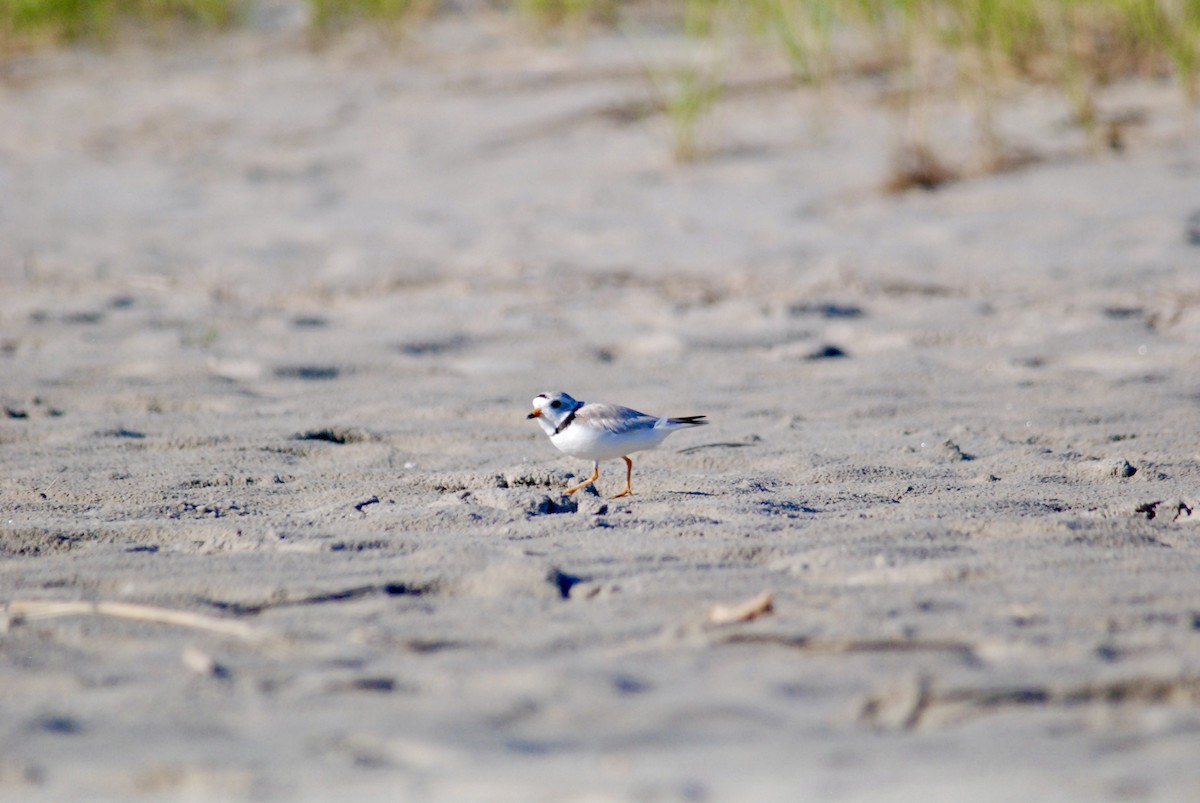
<point x="597" y="431"/>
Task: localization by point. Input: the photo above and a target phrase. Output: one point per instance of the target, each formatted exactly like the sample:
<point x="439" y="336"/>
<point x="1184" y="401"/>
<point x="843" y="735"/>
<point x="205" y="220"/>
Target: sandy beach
<point x="271" y="317"/>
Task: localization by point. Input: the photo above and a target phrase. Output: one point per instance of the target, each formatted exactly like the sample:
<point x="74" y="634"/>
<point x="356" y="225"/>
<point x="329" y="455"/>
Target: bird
<point x="596" y="431"/>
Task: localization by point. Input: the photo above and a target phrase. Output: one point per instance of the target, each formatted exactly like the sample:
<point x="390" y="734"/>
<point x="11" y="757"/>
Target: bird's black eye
<point x="556" y="404"/>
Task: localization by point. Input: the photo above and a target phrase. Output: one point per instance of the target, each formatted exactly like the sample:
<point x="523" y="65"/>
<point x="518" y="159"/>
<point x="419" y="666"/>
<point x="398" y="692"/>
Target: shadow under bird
<point x="596" y="431"/>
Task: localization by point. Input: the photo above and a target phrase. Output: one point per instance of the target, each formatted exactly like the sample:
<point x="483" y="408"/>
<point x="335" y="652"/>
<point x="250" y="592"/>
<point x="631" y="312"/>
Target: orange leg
<point x="628" y="477"/>
<point x="595" y="476"/>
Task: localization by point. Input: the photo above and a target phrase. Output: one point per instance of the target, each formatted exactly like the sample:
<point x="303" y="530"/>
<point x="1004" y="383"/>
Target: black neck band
<point x="567" y="421"/>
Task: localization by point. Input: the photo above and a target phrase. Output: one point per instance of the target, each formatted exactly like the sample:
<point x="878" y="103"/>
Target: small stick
<point x="742" y="612"/>
<point x="19" y="610"/>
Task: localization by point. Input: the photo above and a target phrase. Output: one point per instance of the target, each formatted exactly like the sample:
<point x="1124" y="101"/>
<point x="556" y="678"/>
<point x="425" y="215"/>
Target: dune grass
<point x="550" y="13"/>
<point x="687" y="94"/>
<point x="327" y="14"/>
<point x="1074" y="45"/>
<point x="29" y="23"/>
<point x="1059" y="40"/>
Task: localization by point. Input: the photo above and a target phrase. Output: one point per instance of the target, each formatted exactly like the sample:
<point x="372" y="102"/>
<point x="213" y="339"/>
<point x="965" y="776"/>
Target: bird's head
<point x="550" y="409"/>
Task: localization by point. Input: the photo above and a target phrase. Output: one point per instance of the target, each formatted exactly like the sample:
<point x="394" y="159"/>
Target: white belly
<point x="600" y="444"/>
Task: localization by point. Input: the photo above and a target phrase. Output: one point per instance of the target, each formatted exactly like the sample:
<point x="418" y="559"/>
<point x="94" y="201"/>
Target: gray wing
<point x="614" y="418"/>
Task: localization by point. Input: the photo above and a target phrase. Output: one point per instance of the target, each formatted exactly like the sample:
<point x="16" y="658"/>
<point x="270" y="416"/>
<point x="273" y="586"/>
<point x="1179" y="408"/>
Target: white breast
<point x="595" y="443"/>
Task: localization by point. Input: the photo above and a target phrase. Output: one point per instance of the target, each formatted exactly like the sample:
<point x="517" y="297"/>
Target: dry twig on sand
<point x="20" y="610"/>
<point x="743" y="611"/>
